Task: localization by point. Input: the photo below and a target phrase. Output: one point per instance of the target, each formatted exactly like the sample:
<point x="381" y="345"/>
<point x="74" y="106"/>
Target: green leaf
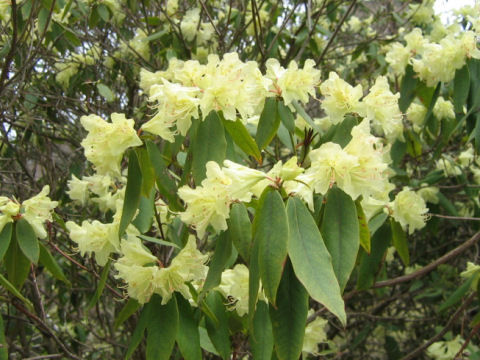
<point x="429" y="124"/>
<point x="301" y="111"/>
<point x="128" y="310"/>
<point x="5" y="238"/>
<point x="47" y="260"/>
<point x="399" y="240"/>
<point x="144" y="218"/>
<point x="188" y="337"/>
<point x="370" y="263"/>
<point x="132" y="192"/>
<point x="376" y="221"/>
<point x="14" y="291"/>
<point x="261" y="340"/>
<point x="218" y="332"/>
<point x="223" y="251"/>
<point x="457" y="295"/>
<point x="209" y="144"/>
<point x="3" y="341"/>
<point x="340" y="232"/>
<point x="242" y="138"/>
<point x="240" y="230"/>
<point x="268" y="123"/>
<point x="17" y="264"/>
<point x="166" y="186"/>
<point x="253" y="281"/>
<point x="364" y="231"/>
<point x="27" y="240"/>
<point x="148" y="172"/>
<point x="461" y="87"/>
<point x="290" y="316"/>
<point x="311" y="260"/>
<point x="407" y="89"/>
<point x="103" y="12"/>
<point x="100" y="285"/>
<point x="271" y="232"/>
<point x="158" y="241"/>
<point x="105" y="91"/>
<point x="139" y="331"/>
<point x="286" y="116"/>
<point x="162" y="328"/>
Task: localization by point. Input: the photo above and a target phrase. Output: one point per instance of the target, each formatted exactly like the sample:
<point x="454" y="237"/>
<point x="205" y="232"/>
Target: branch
<point x="426" y="269"/>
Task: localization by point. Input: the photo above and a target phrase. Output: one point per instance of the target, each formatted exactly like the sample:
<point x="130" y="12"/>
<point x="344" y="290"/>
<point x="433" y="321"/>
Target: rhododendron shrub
<point x="231" y="179"/>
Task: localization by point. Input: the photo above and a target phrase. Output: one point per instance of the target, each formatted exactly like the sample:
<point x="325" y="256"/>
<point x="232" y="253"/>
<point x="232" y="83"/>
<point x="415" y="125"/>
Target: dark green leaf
<point x="148" y="172"/>
<point x="253" y="281"/>
<point x="457" y="295"/>
<point x="261" y="339"/>
<point x="132" y="192"/>
<point x="188" y="337"/>
<point x="240" y="230"/>
<point x="17" y="264"/>
<point x="166" y="186"/>
<point x="370" y="263"/>
<point x="3" y="341"/>
<point x="47" y="260"/>
<point x="162" y="326"/>
<point x="290" y="316"/>
<point x="461" y="86"/>
<point x="242" y="138"/>
<point x="158" y="241"/>
<point x="14" y="291"/>
<point x="128" y="310"/>
<point x="399" y="240"/>
<point x="103" y="12"/>
<point x="139" y="331"/>
<point x="100" y="285"/>
<point x="271" y="232"/>
<point x="209" y="144"/>
<point x="27" y="240"/>
<point x="364" y="231"/>
<point x="144" y="218"/>
<point x="218" y="332"/>
<point x="223" y="251"/>
<point x="286" y="116"/>
<point x="407" y="89"/>
<point x="5" y="238"/>
<point x="310" y="259"/>
<point x="340" y="231"/>
<point x="268" y="123"/>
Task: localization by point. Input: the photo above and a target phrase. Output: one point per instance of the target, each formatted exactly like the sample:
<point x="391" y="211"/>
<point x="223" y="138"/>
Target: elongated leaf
<point x="47" y="260"/>
<point x="5" y="238"/>
<point x="429" y="115"/>
<point x="158" y="241"/>
<point x="340" y="232"/>
<point x="132" y="192"/>
<point x="407" y="89"/>
<point x="253" y="282"/>
<point x="271" y="232"/>
<point x="166" y="186"/>
<point x="128" y="310"/>
<point x="310" y="259"/>
<point x="457" y="295"/>
<point x="162" y="328"/>
<point x="100" y="285"/>
<point x="148" y="172"/>
<point x="242" y="138"/>
<point x="364" y="231"/>
<point x="261" y="340"/>
<point x="17" y="264"/>
<point x="370" y="263"/>
<point x="268" y="123"/>
<point x="218" y="333"/>
<point x="290" y="316"/>
<point x="105" y="91"/>
<point x="139" y="331"/>
<point x="301" y="111"/>
<point x="27" y="240"/>
<point x="188" y="337"/>
<point x="461" y="87"/>
<point x="209" y="144"/>
<point x="286" y="116"/>
<point x="240" y="230"/>
<point x="3" y="341"/>
<point x="376" y="221"/>
<point x="143" y="220"/>
<point x="14" y="291"/>
<point x="399" y="240"/>
<point x="223" y="251"/>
